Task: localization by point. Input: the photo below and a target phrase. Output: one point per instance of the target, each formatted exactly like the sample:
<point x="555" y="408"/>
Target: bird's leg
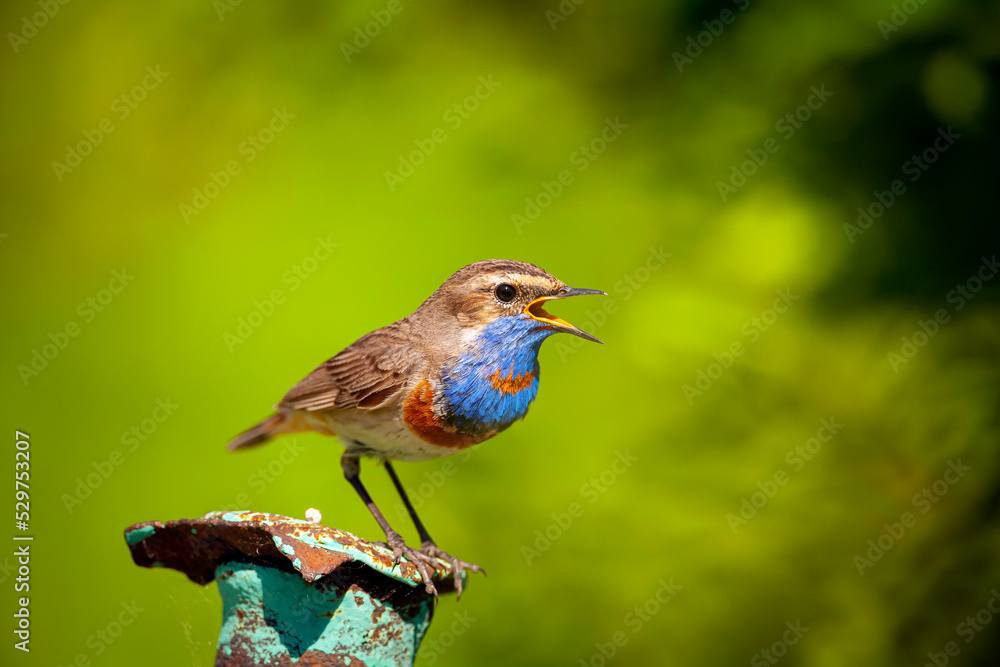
<point x="427" y="545"/>
<point x="421" y="530"/>
<point x="423" y="562"/>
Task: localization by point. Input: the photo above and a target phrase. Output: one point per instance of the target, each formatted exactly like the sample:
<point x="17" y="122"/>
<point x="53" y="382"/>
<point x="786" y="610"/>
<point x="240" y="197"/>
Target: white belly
<point x="380" y="433"/>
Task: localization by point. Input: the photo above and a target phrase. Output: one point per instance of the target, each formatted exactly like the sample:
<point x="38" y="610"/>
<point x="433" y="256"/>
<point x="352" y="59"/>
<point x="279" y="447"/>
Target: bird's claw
<point x="457" y="566"/>
<point x="425" y="563"/>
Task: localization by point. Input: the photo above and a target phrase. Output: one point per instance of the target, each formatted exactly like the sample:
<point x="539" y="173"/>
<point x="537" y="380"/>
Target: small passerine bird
<point x="456" y="372"/>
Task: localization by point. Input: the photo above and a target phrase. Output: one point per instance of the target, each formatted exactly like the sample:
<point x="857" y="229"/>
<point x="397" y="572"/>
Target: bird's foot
<point x="425" y="563"/>
<point x="457" y="566"/>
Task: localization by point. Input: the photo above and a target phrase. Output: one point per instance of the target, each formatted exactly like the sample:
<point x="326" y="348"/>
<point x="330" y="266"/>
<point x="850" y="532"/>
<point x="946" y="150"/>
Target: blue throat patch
<point x="494" y="382"/>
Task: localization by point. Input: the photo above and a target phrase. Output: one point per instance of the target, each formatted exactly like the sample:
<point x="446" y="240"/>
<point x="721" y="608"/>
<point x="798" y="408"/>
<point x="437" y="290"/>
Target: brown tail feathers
<point x="259" y="434"/>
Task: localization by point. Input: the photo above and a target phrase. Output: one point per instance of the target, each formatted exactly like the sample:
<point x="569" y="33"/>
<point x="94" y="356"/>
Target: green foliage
<point x="788" y="384"/>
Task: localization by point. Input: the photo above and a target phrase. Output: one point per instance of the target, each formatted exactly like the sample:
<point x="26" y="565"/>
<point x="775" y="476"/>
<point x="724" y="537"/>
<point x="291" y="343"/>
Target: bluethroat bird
<point x="456" y="372"/>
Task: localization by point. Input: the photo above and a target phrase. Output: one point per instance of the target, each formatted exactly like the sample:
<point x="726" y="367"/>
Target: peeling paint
<point x="296" y="592"/>
<point x="139" y="534"/>
<point x="284" y="617"/>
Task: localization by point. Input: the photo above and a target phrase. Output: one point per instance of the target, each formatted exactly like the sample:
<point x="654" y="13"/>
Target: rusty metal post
<point x="295" y="592"/>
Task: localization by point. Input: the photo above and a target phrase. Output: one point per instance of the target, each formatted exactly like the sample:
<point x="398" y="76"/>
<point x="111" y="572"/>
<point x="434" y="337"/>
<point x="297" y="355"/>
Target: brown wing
<point x="364" y="375"/>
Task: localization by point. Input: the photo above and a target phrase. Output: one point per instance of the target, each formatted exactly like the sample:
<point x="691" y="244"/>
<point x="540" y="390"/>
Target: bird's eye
<point x="505" y="292"/>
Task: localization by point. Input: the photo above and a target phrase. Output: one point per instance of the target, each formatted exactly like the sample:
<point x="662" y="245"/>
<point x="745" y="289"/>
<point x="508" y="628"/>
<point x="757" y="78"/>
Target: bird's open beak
<point x="535" y="311"/>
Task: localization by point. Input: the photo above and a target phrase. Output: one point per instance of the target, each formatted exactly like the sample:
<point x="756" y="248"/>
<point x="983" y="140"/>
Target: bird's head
<point x="508" y="295"/>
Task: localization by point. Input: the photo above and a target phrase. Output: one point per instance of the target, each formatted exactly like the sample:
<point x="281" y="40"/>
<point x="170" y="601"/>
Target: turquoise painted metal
<point x="294" y="592"/>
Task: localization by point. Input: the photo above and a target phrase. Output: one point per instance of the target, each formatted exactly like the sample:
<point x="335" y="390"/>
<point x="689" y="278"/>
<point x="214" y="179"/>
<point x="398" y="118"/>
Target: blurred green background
<point x="206" y="150"/>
